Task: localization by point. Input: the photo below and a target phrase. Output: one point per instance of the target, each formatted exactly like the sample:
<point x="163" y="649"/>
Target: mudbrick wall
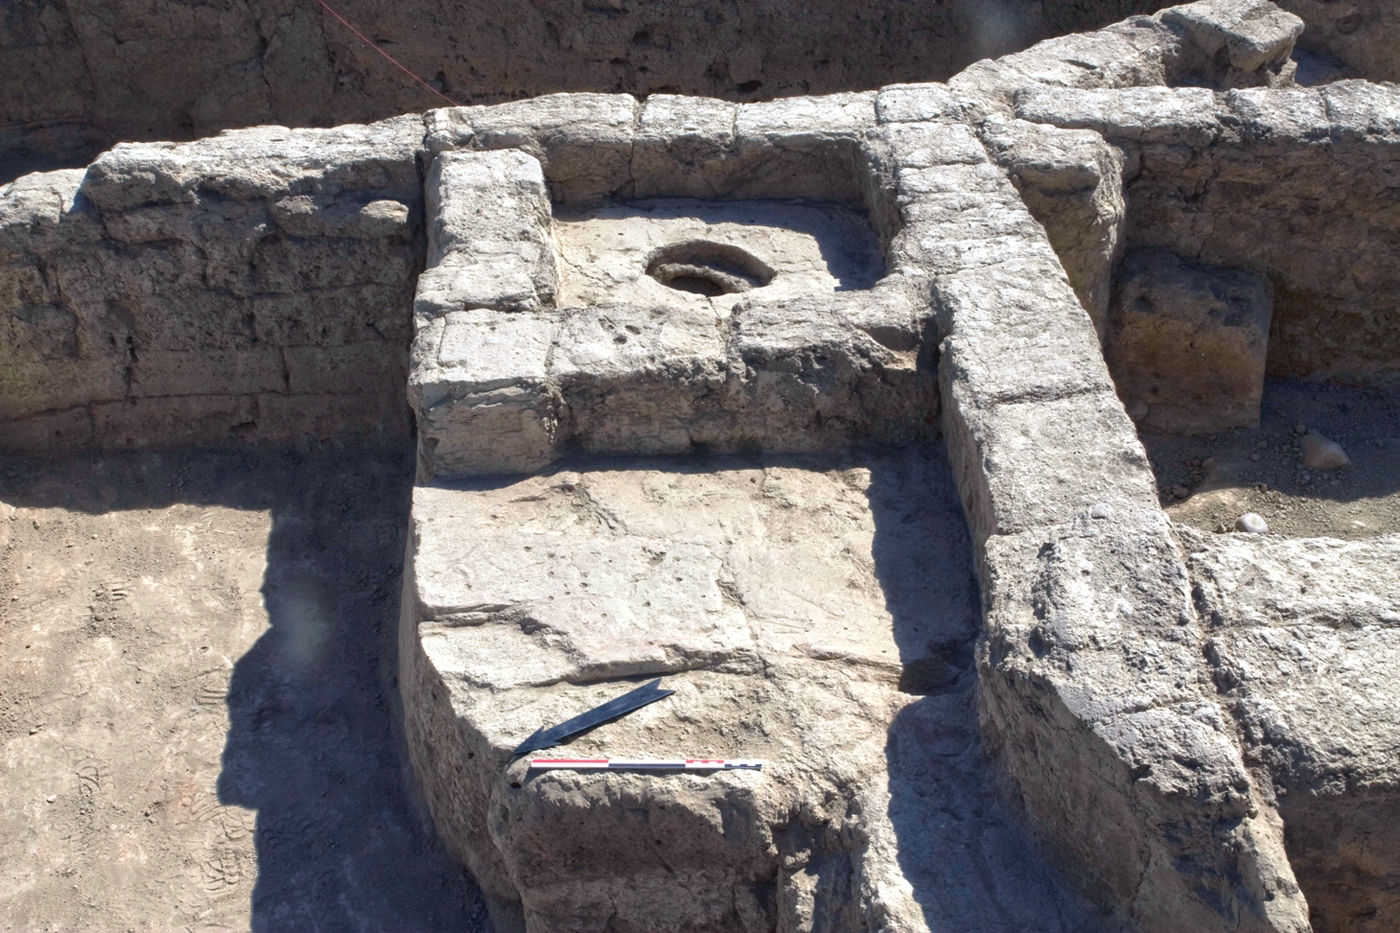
<point x="1100" y="667"/>
<point x="249" y="288"/>
<point x="1259" y="179"/>
<point x="189" y="292"/>
<point x="78" y="75"/>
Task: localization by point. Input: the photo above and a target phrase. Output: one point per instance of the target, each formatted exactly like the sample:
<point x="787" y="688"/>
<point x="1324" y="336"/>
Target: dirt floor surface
<point x="1208" y="482"/>
<point x="197" y="699"/>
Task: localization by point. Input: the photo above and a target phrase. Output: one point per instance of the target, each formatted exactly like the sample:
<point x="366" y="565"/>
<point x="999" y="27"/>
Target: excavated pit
<point x="674" y="367"/>
<point x="704" y="267"/>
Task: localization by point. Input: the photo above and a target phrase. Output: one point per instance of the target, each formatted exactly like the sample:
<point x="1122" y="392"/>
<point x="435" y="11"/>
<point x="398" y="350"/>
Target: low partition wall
<point x="254" y="287"/>
<point x="1296" y="184"/>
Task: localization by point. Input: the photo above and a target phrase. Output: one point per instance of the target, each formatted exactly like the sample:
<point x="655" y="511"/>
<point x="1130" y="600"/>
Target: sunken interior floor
<point x="1209" y="481"/>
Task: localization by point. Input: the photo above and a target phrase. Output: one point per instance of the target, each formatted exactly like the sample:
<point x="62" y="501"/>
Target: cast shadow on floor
<point x="971" y="861"/>
<point x="315" y="744"/>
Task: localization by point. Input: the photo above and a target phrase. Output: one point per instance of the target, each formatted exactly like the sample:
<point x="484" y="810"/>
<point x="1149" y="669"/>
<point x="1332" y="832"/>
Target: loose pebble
<point x="1319" y="453"/>
<point x="1300" y="428"/>
<point x="51" y="798"/>
<point x="1253" y="524"/>
<point x="1179" y="492"/>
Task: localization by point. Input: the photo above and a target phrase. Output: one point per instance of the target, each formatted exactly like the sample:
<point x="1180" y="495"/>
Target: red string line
<point x="386" y="54"/>
<point x="42" y="123"/>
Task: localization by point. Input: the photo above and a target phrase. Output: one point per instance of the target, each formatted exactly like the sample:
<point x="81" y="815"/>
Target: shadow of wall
<point x="314" y="743"/>
<point x="972" y="863"/>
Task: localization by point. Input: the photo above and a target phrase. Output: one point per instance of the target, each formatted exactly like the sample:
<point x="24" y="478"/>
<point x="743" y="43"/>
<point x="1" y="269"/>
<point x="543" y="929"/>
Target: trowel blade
<point x="621" y="706"/>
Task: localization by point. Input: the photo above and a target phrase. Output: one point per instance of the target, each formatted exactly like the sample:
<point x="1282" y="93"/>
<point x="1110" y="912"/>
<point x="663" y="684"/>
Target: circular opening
<point x="705" y="268"/>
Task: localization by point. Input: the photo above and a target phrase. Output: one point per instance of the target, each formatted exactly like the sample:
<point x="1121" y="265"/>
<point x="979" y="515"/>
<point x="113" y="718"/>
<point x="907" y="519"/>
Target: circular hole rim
<point x="728" y="268"/>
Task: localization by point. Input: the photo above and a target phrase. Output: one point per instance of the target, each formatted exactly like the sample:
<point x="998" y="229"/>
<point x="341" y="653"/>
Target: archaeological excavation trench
<point x="900" y="432"/>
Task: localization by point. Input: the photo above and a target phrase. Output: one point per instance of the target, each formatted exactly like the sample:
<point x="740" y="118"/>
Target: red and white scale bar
<point x="647" y="764"/>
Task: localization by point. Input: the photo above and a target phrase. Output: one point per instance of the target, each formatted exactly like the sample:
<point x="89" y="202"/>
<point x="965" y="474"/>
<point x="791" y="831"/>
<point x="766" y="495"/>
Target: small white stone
<point x="1319" y="453"/>
<point x="1251" y="523"/>
<point x="1300" y="428"/>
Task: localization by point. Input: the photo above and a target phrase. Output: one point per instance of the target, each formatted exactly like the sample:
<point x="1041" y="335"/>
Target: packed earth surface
<point x="1261" y="469"/>
<point x="198" y="701"/>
